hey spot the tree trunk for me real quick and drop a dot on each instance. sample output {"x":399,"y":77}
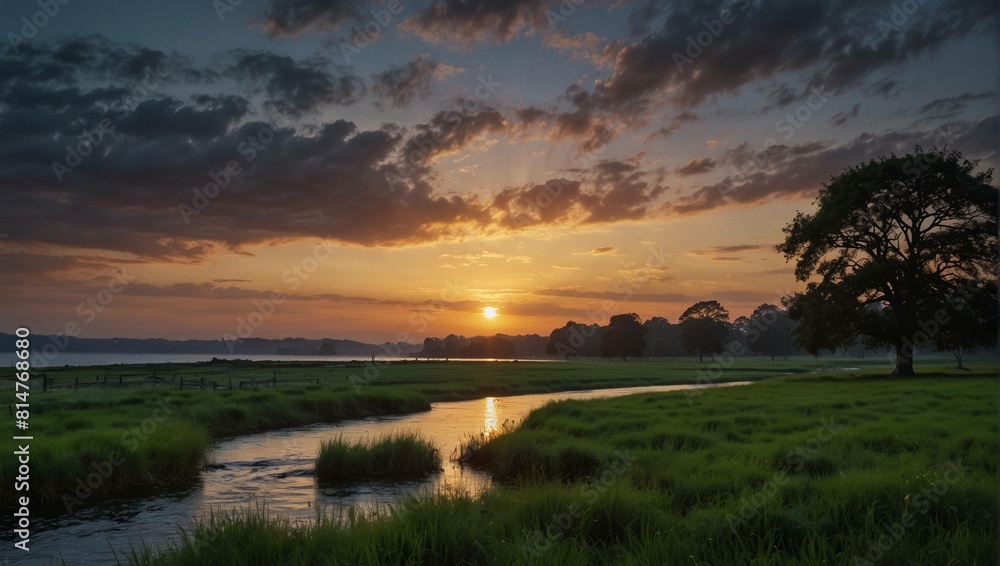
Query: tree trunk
{"x":701,"y":357}
{"x":958,"y":356}
{"x":904,"y":361}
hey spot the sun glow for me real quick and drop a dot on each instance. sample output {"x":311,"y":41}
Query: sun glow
{"x":489,"y":312}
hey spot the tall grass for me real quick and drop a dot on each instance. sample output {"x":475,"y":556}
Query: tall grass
{"x":396,"y":456}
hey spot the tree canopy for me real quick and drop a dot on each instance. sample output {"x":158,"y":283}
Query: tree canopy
{"x":624,"y":336}
{"x":902,"y":251}
{"x":704,"y":328}
{"x":573,"y":340}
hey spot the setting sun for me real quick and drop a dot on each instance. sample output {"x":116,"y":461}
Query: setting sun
{"x":489,"y":312}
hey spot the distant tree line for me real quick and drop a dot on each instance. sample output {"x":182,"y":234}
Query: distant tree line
{"x":702,"y":330}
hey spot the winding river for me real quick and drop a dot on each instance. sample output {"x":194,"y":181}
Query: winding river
{"x":275,"y":469}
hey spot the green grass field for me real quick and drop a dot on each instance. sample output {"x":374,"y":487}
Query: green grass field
{"x":827,"y":468}
{"x":156,"y":435}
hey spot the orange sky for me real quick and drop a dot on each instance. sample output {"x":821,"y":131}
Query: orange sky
{"x":472,"y":154}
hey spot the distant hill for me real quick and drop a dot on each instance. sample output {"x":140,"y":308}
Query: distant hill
{"x":284,"y":346}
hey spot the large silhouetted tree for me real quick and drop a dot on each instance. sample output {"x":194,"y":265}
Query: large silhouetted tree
{"x":704,"y":328}
{"x":662,"y":338}
{"x":896,"y":249}
{"x":574,"y":340}
{"x":624,"y":336}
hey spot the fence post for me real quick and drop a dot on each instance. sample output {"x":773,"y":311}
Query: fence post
{"x":182,"y":383}
{"x":121,"y":379}
{"x":76,"y":383}
{"x":45,"y":382}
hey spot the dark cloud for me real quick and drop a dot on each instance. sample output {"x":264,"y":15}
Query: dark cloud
{"x":886,"y":88}
{"x":798,"y":171}
{"x":38,"y":264}
{"x":584,"y":123}
{"x":696,"y":166}
{"x":401,"y":84}
{"x":951,"y":106}
{"x":293,"y":17}
{"x":603,"y":250}
{"x":611,"y":191}
{"x":175,"y":180}
{"x":781,"y":95}
{"x":675,"y":124}
{"x":980,"y":140}
{"x":451,"y":130}
{"x":828,"y":46}
{"x":469,"y":21}
{"x":206,"y":117}
{"x":297,"y":87}
{"x":842,"y":118}
{"x":622,"y":192}
{"x":558,"y":200}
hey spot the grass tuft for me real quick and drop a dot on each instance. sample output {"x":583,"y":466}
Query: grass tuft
{"x":400,"y":455}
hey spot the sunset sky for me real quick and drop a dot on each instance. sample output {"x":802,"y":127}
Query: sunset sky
{"x":555,"y":160}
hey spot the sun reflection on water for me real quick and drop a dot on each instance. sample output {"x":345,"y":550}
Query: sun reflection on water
{"x":490,"y":416}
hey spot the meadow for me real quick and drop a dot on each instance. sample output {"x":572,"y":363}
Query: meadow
{"x":847,"y":467}
{"x":154,"y":435}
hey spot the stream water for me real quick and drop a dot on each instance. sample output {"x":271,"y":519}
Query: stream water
{"x":275,"y":469}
